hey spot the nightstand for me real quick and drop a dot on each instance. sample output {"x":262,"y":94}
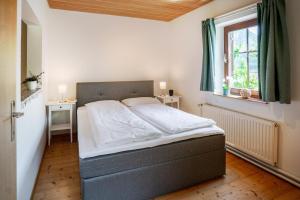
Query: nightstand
{"x":166,"y":99}
{"x":56,"y":106}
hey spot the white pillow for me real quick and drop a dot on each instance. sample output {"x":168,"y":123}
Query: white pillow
{"x":103,"y":102}
{"x":140,"y":100}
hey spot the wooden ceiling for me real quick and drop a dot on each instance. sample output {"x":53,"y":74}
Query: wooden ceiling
{"x":164,"y":10}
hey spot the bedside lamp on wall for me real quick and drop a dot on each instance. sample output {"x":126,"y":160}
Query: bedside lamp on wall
{"x":163,"y":86}
{"x":62,"y":90}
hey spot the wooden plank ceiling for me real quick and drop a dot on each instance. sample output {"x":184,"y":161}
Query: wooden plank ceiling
{"x":164,"y":10}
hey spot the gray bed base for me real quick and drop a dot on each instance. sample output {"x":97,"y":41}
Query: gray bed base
{"x":150,"y":172}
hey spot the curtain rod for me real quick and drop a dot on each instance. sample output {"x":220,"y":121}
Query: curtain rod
{"x":238,"y":10}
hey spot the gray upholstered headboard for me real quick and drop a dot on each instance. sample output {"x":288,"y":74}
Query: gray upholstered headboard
{"x":96,"y":91}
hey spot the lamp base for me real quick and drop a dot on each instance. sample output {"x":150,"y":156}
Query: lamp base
{"x":62,"y":99}
{"x":163,"y":93}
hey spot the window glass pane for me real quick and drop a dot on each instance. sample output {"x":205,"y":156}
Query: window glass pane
{"x":243,"y":58}
{"x":253,"y":71}
{"x":253,"y":62}
{"x":252,"y":38}
{"x":239,"y":38}
{"x":253,"y":81}
{"x":240,"y":71}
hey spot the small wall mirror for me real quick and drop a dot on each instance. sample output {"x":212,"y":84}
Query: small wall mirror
{"x":31,"y":52}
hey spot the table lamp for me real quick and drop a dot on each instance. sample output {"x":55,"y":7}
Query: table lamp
{"x":62,"y":89}
{"x":163,"y":86}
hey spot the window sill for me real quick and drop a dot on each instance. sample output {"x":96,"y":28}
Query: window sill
{"x":26,"y":94}
{"x":240,"y":98}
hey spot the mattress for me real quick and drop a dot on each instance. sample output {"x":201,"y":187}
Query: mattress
{"x":135,"y":159}
{"x":88,"y":148}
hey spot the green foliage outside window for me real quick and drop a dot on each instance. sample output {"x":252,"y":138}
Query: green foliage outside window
{"x":240,"y":78}
{"x":240,"y":73}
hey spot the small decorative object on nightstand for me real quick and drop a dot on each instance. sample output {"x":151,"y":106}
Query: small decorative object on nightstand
{"x":166,"y":99}
{"x":57,"y":106}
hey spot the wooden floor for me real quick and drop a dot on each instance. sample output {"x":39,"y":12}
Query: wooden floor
{"x":59,"y":179}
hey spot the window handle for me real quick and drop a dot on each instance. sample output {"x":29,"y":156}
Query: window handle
{"x":17,"y":114}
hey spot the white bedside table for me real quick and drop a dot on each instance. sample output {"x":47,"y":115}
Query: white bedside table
{"x":56,"y":106}
{"x":166,"y":99}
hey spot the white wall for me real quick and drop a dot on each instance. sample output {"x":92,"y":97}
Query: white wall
{"x":85,"y":47}
{"x":31,"y":140}
{"x":93,"y":47}
{"x":30,"y":129}
{"x":185,"y":73}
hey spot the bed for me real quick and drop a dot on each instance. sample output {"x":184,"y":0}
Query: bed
{"x":148,"y":171}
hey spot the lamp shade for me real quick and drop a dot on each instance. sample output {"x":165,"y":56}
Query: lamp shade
{"x":62,"y":89}
{"x":163,"y":85}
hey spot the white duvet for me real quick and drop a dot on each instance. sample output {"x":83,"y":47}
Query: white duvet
{"x":112,"y":122}
{"x":87,"y":147}
{"x":170,"y":120}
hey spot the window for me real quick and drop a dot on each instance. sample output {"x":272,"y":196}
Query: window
{"x":241,"y":56}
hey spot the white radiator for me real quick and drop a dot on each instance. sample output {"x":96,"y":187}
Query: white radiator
{"x":249,"y":134}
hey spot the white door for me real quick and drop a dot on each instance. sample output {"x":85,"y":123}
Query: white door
{"x":8,"y":27}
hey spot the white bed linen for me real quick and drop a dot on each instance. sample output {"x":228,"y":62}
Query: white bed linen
{"x":170,"y":120}
{"x":112,"y":122}
{"x":140,"y":100}
{"x":87,"y":147}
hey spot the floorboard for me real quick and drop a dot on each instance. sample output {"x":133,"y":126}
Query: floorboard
{"x":59,"y":179}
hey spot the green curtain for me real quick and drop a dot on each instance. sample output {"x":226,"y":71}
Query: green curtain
{"x":273,"y":55}
{"x":208,"y":62}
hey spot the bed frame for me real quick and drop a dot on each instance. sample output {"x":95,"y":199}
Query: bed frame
{"x":150,"y":172}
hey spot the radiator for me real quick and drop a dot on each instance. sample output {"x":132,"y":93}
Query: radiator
{"x":254,"y":136}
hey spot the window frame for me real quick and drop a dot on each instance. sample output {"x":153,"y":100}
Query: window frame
{"x":227,"y":30}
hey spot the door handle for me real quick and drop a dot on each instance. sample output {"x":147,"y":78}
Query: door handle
{"x":13,"y":116}
{"x":17,"y":114}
